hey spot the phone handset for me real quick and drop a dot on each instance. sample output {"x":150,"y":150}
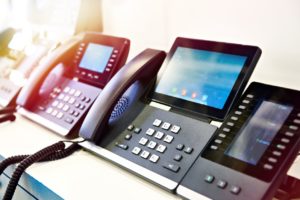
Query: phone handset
{"x":64,"y":51}
{"x":143,"y":67}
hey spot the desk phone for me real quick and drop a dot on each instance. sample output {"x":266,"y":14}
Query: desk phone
{"x":200,"y":80}
{"x":23,"y":53}
{"x":249,"y":155}
{"x":65,"y":85}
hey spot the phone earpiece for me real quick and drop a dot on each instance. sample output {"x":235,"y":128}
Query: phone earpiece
{"x":132,"y":94}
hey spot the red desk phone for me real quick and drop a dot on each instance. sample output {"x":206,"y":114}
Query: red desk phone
{"x":64,"y":86}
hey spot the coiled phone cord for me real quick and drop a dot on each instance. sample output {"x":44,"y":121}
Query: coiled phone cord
{"x":50,"y":153}
{"x":55,"y":156}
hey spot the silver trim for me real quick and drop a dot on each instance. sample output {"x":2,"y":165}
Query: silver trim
{"x":43,"y":121}
{"x":163,"y":181}
{"x":190,"y":194}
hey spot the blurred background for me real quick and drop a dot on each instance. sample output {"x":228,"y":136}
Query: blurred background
{"x":273,"y":25}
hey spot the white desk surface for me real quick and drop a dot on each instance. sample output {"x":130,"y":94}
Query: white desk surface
{"x":81,"y":175}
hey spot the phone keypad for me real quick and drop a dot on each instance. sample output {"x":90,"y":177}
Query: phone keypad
{"x":68,"y":104}
{"x":154,"y":142}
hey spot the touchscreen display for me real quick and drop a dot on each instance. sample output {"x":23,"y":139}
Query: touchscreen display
{"x":96,"y":57}
{"x":257,"y":134}
{"x":200,"y":76}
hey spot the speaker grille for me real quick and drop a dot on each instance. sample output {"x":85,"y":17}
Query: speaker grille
{"x":119,"y":108}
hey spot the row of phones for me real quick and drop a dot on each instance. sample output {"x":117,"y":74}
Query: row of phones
{"x":83,"y":88}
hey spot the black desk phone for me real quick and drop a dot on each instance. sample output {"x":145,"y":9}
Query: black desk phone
{"x":66,"y":83}
{"x":200,"y":80}
{"x":249,"y":155}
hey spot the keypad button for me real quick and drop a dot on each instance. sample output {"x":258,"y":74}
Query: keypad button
{"x":175,"y":129}
{"x":72,"y":91}
{"x":179,"y":147}
{"x":122,"y":146}
{"x":157,"y":122}
{"x":159,"y":135}
{"x":285,"y":140}
{"x":61,"y":96}
{"x":234,"y":118}
{"x":230,"y":123}
{"x":226,"y":130}
{"x":128,"y":137}
{"x":77,"y":93}
{"x":76,"y":114}
{"x":213,"y":147}
{"x":77,"y":105}
{"x":292,"y":127}
{"x":280,"y":146}
{"x":268,"y":167}
{"x":82,"y":107}
{"x":83,"y":98}
{"x":276,"y":153}
{"x":59,"y":115}
{"x":71,"y":112}
{"x":136,"y":150}
{"x":272,"y":160}
{"x":54,"y":113}
{"x":242,"y":107}
{"x":55,"y":103}
{"x":154,"y":158}
{"x":66,"y":98}
{"x":297,"y":121}
{"x":69,"y":120}
{"x":251,"y":96}
{"x":143,"y":141}
{"x":235,"y":189}
{"x":41,"y":108}
{"x":290,"y":134}
{"x":130,"y":127}
{"x":209,"y":178}
{"x":166,"y":126}
{"x":67,"y":89}
{"x":151,"y":144}
{"x":172,"y":167}
{"x":246,"y":101}
{"x":72,"y":100}
{"x":188,"y":150}
{"x":177,"y":157}
{"x":60,"y":105}
{"x":222,"y":135}
{"x":218,"y":141}
{"x":238,"y":112}
{"x":137,"y":130}
{"x":168,"y":139}
{"x":221,"y":184}
{"x":66,"y":108}
{"x":49,"y":110}
{"x":87,"y":100}
{"x":150,"y":131}
{"x":145,"y":154}
{"x":161,"y":148}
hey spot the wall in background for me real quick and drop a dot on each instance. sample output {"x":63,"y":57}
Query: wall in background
{"x":273,"y":25}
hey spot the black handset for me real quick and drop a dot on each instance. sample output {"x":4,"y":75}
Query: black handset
{"x":64,"y":86}
{"x":142,"y":68}
{"x":250,"y":154}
